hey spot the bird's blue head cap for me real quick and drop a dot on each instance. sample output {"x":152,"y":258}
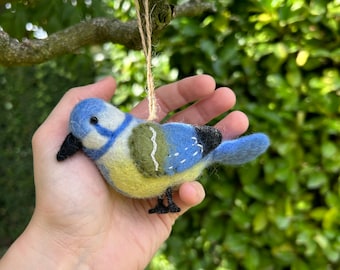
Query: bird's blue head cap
{"x":84,"y":115}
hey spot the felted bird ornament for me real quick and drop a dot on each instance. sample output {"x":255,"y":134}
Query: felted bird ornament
{"x":142,"y":159}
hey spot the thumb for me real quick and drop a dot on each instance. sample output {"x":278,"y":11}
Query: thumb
{"x":55,"y":126}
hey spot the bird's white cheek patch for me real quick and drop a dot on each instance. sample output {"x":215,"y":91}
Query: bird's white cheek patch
{"x":94,"y":141}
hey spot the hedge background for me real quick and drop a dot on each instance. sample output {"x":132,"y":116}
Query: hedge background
{"x":282,"y":58}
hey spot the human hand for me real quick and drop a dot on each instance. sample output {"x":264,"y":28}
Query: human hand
{"x":80,"y":221}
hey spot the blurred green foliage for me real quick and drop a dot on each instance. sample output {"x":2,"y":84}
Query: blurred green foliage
{"x":27,"y":96}
{"x":282,"y":58}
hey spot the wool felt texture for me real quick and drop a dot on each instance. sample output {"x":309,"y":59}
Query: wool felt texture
{"x":143,"y":159}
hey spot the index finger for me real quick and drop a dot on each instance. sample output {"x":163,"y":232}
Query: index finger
{"x":173,"y":96}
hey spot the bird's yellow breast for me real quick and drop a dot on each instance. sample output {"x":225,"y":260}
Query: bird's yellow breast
{"x":123,"y":175}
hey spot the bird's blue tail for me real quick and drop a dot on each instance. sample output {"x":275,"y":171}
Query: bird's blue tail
{"x":241,"y":150}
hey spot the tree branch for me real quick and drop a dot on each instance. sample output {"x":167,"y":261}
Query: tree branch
{"x":193,"y":8}
{"x":95,"y":31}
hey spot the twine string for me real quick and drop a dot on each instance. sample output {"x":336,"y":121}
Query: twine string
{"x":146,"y":38}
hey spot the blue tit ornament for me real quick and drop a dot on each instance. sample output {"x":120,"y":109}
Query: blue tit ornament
{"x":142,"y":159}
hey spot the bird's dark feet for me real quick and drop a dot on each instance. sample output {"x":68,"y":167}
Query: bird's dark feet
{"x":173,"y":208}
{"x":160,"y":208}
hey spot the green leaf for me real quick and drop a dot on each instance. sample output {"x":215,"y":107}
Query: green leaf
{"x":328,"y":149}
{"x":252,"y":259}
{"x":316,"y":180}
{"x":260,"y":221}
{"x":331,"y":218}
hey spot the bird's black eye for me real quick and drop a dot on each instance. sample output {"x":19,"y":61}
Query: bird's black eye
{"x":93,"y":120}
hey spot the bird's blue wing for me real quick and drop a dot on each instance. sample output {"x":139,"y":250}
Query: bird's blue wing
{"x":185,"y":150}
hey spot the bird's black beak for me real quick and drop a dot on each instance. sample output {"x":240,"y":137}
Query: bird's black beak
{"x":69,"y":147}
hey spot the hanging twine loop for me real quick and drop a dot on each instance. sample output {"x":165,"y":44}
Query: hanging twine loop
{"x":146,"y":38}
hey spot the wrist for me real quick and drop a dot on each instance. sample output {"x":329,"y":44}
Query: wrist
{"x":41,"y":247}
{"x":36,"y":248}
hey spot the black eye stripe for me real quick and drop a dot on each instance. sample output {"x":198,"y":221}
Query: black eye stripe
{"x":93,"y":120}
